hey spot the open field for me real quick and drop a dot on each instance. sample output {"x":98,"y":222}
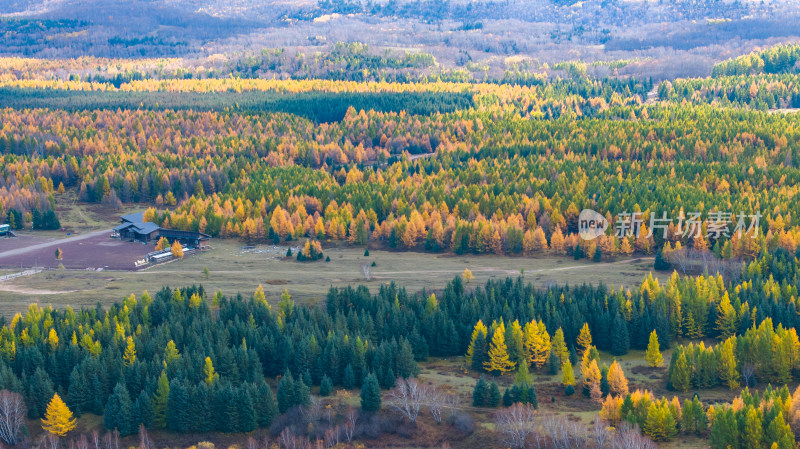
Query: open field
{"x":233,"y":269}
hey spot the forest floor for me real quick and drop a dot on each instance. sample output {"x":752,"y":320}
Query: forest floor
{"x":235,"y":268}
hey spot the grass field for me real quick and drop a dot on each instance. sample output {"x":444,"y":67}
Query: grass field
{"x":233,"y":269}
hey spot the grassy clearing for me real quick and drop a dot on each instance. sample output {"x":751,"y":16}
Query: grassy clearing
{"x":233,"y":270}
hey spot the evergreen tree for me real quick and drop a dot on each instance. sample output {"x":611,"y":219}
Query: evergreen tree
{"x":370,"y":394}
{"x":480,"y":393}
{"x":39,"y":393}
{"x":325,"y":386}
{"x":286,"y":392}
{"x":349,"y":379}
{"x":178,"y":411}
{"x":479,"y":356}
{"x":619,"y":338}
{"x":494,"y":395}
{"x":118,"y":414}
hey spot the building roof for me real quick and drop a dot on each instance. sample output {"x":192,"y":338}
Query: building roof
{"x":136,"y":217}
{"x":122,"y":226}
{"x":145,"y":228}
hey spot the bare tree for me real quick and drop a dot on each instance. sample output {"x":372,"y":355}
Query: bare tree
{"x":562,"y":433}
{"x":252,"y":443}
{"x":629,"y":437}
{"x":82,"y":442}
{"x":12,"y":416}
{"x":286,"y":439}
{"x":144,"y":439}
{"x":50,"y":441}
{"x":407,"y":398}
{"x":350,"y":425}
{"x":452,"y":401}
{"x":332,"y":436}
{"x":436,"y":402}
{"x":313,"y":412}
{"x":599,"y":434}
{"x":95,"y":439}
{"x":515,"y":424}
{"x":367,"y":271}
{"x":748,"y":371}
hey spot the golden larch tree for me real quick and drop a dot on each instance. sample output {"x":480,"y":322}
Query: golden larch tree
{"x":58,"y":419}
{"x":653,"y":354}
{"x":498,"y":352}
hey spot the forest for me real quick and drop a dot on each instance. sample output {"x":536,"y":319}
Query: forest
{"x":437,"y":164}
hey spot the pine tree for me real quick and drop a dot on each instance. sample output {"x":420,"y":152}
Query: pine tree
{"x":498,"y":353}
{"x":118,"y":413}
{"x":584,"y":338}
{"x":494,"y":395}
{"x":619,"y":338}
{"x":479,"y":353}
{"x":480,"y":392}
{"x":653,"y":355}
{"x":264,"y":403}
{"x":286,"y":392}
{"x":58,"y":418}
{"x":160,"y":399}
{"x":370,"y":394}
{"x":325,"y":386}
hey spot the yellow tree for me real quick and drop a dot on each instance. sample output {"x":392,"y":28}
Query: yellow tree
{"x":498,"y":353}
{"x":130,"y":352}
{"x":467,"y":275}
{"x":617,"y":383}
{"x":585,"y":338}
{"x":567,"y":373}
{"x":537,"y":343}
{"x":163,"y":243}
{"x":177,"y":250}
{"x":560,"y":345}
{"x":653,"y":355}
{"x":210,"y":373}
{"x":480,"y":328}
{"x":58,"y":419}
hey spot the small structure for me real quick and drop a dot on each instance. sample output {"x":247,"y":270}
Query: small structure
{"x":133,"y":227}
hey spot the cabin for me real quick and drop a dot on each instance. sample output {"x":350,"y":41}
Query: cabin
{"x":138,"y":231}
{"x":133,"y":227}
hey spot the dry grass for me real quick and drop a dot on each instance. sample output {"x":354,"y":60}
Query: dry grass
{"x":233,"y":269}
